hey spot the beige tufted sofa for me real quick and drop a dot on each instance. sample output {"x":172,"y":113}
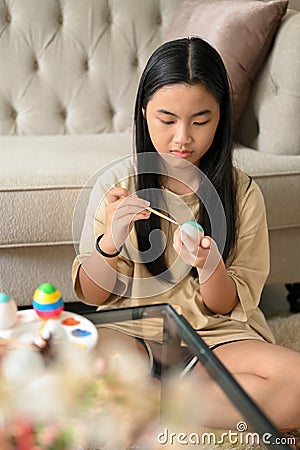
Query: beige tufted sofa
{"x":68,"y":75}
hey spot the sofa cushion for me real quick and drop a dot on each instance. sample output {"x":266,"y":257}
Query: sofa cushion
{"x":23,"y":269}
{"x":42,"y":188}
{"x":41,"y":179}
{"x":242,"y":32}
{"x":279,"y":180}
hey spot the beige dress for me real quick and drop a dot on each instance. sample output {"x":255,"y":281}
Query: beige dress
{"x":248,"y":266}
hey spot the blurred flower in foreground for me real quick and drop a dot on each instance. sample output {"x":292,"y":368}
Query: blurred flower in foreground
{"x":76,"y":401}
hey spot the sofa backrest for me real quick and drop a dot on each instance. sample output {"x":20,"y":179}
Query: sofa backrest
{"x":72,"y":66}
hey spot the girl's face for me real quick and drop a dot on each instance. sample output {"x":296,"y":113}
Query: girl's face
{"x":182,"y":120}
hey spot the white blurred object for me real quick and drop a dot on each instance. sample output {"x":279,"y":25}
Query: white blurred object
{"x":191,"y":234}
{"x":20,"y":366}
{"x":44,"y":396}
{"x":8,"y":311}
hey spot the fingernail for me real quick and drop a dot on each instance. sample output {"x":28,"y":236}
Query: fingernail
{"x":205,"y":242}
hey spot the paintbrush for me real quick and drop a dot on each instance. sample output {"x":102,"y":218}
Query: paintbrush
{"x":162,"y":215}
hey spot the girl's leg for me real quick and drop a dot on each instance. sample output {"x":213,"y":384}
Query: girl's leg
{"x":268,"y":373}
{"x":112,"y":342}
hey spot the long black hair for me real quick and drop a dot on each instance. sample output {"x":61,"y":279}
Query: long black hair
{"x":187,"y":61}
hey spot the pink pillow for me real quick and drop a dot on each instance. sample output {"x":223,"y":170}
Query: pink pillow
{"x":242,"y":32}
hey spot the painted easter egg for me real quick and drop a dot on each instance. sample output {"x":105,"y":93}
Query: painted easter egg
{"x":191,"y":229}
{"x":189,"y":226}
{"x":47,"y":301}
{"x":8,"y":311}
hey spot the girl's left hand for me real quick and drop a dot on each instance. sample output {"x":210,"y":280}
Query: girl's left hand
{"x":196,"y":250}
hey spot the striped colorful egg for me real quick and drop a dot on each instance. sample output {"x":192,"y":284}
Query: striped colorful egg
{"x":47,"y":301}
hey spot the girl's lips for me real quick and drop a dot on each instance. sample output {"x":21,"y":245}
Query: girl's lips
{"x":181,"y":153}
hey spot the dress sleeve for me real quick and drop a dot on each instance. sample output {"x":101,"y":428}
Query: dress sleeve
{"x":94,"y":225}
{"x":248,"y":265}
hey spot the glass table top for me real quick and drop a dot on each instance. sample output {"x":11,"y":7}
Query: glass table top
{"x":194,"y":404}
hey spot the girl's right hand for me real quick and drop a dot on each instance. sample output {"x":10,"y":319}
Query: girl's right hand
{"x":122,"y":211}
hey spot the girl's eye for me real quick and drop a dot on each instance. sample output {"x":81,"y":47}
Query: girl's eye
{"x":198,"y":124}
{"x":167,"y":122}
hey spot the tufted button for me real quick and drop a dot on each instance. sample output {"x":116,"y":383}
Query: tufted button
{"x":14,"y":114}
{"x":111,"y":112}
{"x":8,"y":18}
{"x":60,"y":19}
{"x":109,"y":18}
{"x":135,"y":62}
{"x":63,"y":114}
{"x":86,"y":65}
{"x":35,"y":65}
{"x":159,"y":20}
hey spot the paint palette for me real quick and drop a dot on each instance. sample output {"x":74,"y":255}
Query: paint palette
{"x":77,"y":329}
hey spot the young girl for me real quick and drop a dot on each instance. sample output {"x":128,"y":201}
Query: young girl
{"x":130,"y":256}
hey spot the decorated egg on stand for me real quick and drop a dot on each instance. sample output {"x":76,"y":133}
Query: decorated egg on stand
{"x":8,"y":311}
{"x":47,"y":301}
